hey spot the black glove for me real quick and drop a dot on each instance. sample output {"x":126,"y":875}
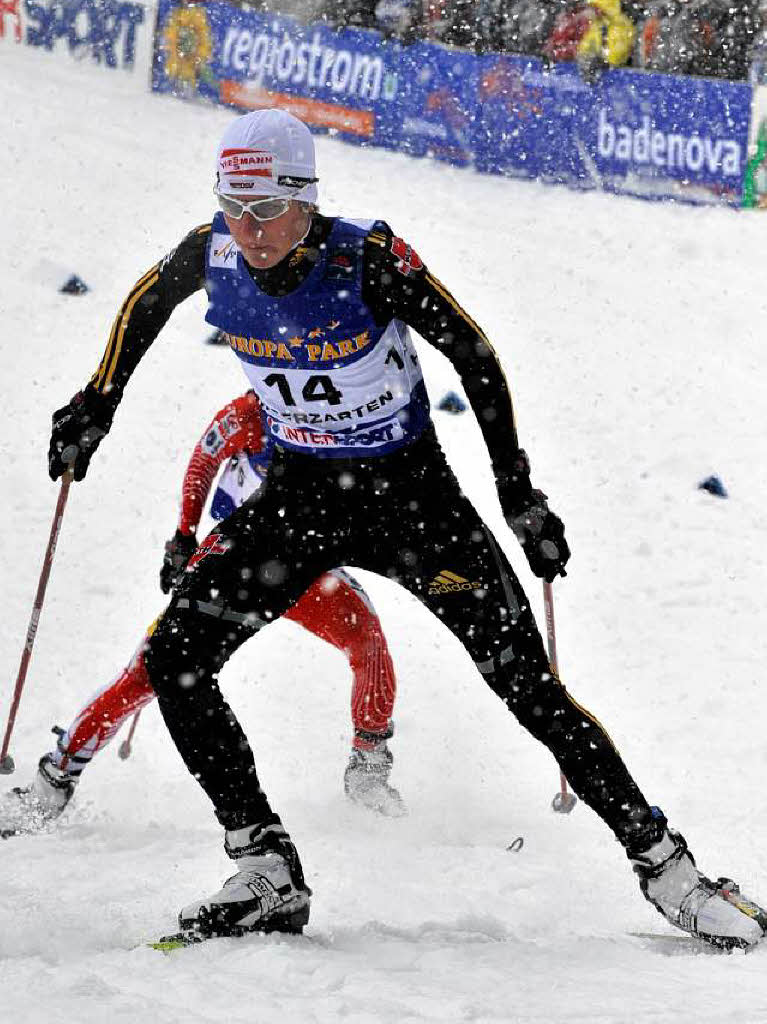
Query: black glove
{"x":178,"y":550}
{"x":540,"y":532}
{"x":542,"y":536}
{"x":77,"y":431}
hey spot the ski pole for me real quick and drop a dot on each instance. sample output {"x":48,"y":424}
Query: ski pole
{"x":124,"y":750}
{"x":7,"y":765}
{"x":564,"y":801}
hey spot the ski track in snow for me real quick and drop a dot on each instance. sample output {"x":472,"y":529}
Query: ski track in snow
{"x":632,"y":338}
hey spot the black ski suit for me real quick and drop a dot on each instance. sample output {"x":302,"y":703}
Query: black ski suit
{"x":400,"y":514}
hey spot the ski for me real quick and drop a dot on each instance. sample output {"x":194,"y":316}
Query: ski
{"x":169,"y":943}
{"x":694,"y":944}
{"x":279,"y":924}
{"x":183,"y":940}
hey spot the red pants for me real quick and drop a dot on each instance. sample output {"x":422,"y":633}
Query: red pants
{"x":335,"y":608}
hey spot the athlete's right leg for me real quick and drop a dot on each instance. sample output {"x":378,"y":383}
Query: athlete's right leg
{"x":244,"y":575}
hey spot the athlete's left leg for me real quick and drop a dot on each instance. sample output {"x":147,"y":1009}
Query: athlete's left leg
{"x":427,"y":536}
{"x":447,"y":557}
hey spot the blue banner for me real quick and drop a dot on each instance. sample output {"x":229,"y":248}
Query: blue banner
{"x":526,"y":117}
{"x":104,"y":30}
{"x":346,"y":80}
{"x":436,"y":103}
{"x":665,"y":136}
{"x":655,"y":136}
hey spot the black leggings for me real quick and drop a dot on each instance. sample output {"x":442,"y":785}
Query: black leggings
{"x":401,"y":515}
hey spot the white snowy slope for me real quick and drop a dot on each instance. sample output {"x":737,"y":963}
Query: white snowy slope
{"x":632,"y":335}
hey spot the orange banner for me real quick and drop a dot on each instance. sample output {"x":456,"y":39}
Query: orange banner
{"x":325,"y":115}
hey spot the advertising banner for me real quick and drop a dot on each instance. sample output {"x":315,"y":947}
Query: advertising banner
{"x":662,"y":136}
{"x":655,"y":136}
{"x":100,"y":30}
{"x":527,"y":112}
{"x":436,"y":103}
{"x":342,"y":80}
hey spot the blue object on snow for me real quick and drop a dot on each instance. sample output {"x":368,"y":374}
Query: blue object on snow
{"x":713,"y":485}
{"x":74,"y":285}
{"x":451,"y":402}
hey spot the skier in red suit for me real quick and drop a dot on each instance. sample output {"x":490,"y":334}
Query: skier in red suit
{"x":334,"y":608}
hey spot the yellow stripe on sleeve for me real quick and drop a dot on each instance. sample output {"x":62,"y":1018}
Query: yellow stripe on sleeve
{"x":440,"y":288}
{"x":124,"y":321}
{"x":103,"y":375}
{"x":98,"y":379}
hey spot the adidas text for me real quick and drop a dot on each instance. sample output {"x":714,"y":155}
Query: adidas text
{"x":448,"y":583}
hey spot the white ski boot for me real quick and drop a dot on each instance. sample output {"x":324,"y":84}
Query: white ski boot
{"x":29,"y":809}
{"x":716,"y":912}
{"x":366,"y":781}
{"x":267,"y":894}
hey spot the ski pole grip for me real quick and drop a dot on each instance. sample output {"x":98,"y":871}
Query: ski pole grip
{"x":69,"y":454}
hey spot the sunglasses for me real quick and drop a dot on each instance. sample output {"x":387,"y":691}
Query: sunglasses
{"x":260,"y":209}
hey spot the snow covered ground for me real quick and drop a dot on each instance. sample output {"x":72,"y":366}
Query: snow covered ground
{"x":632,"y":335}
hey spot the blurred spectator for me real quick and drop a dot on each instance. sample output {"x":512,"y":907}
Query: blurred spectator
{"x":569,"y":29}
{"x":700,"y":37}
{"x":394,"y":19}
{"x":525,"y":25}
{"x":733,"y":25}
{"x":349,"y":13}
{"x":757,"y":55}
{"x":400,"y":19}
{"x":686,"y":37}
{"x":667,"y":39}
{"x":609,"y":39}
{"x":306,"y":11}
{"x":454,"y":22}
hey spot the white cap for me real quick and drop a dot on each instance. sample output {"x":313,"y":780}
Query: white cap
{"x":267,"y":153}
